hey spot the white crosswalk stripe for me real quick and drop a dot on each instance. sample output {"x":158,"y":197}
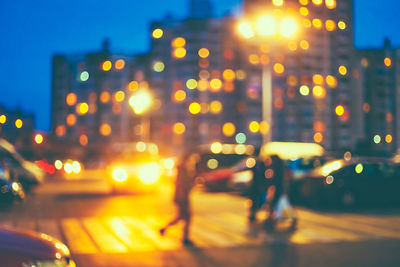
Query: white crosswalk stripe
{"x":123,"y":234}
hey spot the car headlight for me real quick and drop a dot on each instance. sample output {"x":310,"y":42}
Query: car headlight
{"x":50,"y":263}
{"x":149,"y":173}
{"x":120,"y":175}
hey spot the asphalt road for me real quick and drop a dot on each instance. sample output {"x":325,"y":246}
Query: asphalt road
{"x":107,"y":230}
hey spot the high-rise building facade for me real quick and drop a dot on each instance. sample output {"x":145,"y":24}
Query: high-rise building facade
{"x":197,"y":72}
{"x":380,"y":77}
{"x":312,"y":76}
{"x":89,"y":98}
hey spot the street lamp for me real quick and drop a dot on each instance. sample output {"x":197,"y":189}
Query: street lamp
{"x":141,"y":102}
{"x":271,"y":28}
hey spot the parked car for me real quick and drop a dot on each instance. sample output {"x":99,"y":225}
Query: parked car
{"x":28,"y":173}
{"x":352,"y":182}
{"x":32,"y":249}
{"x":215,"y":167}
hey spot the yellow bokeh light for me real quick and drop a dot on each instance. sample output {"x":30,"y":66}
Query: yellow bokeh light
{"x":180,"y":95}
{"x":304,"y":44}
{"x":366,"y":107}
{"x":330,"y":25}
{"x":254,"y":126}
{"x":215,"y":107}
{"x":388,"y":62}
{"x":330,"y":4}
{"x":303,"y":2}
{"x":82,"y":108}
{"x":157,"y":33}
{"x":83,"y":140}
{"x":318,"y":79}
{"x":158,"y":66}
{"x":216,"y":147}
{"x":264,"y":127}
{"x":318,"y":137}
{"x":228,"y":129}
{"x":71,"y":119}
{"x":339,"y":110}
{"x":179,"y":128}
{"x":191,"y":84}
{"x":180,"y":52}
{"x":3,"y":119}
{"x":331,"y":81}
{"x":133,"y":86}
{"x":303,"y":11}
{"x":389,"y":138}
{"x":215,"y":84}
{"x":204,"y":53}
{"x":228,"y":74}
{"x":119,"y":64}
{"x":254,"y":59}
{"x":106,"y":66}
{"x":317,"y":2}
{"x":71,"y":99}
{"x":105,"y":129}
{"x":304,"y":90}
{"x":279,"y":68}
{"x":141,"y":101}
{"x":317,"y":23}
{"x":119,"y":96}
{"x":38,"y":139}
{"x":319,"y":92}
{"x":342,"y":70}
{"x":194,"y":108}
{"x":307,"y":23}
{"x":105,"y":97}
{"x":203,"y":85}
{"x":178,"y":42}
{"x":342,"y":25}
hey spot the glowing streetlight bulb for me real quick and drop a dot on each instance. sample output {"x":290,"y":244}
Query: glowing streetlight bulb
{"x":288,"y":27}
{"x":140,"y":102}
{"x":266,"y":25}
{"x":245,"y":29}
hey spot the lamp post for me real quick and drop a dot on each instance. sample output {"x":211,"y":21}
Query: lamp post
{"x":141,"y":102}
{"x":267,"y":28}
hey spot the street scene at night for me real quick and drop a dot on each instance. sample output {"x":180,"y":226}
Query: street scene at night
{"x":200,"y":133}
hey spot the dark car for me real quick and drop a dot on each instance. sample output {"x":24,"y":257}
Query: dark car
{"x":216,"y":166}
{"x":32,"y":249}
{"x":10,"y":191}
{"x":354,"y":182}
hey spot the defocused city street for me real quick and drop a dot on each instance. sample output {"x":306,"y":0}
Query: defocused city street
{"x":200,"y":133}
{"x":107,"y":230}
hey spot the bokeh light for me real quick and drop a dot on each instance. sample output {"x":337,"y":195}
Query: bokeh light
{"x":194,"y":108}
{"x":240,"y":138}
{"x":84,"y":76}
{"x":107,"y":65}
{"x":105,"y":129}
{"x":19,"y":123}
{"x":228,"y":129}
{"x":179,"y":128}
{"x":157,"y":33}
{"x":71,"y":99}
{"x":204,"y":52}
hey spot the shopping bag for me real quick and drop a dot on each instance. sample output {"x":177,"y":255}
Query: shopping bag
{"x":284,"y":209}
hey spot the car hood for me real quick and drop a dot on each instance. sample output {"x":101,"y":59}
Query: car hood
{"x":29,"y":243}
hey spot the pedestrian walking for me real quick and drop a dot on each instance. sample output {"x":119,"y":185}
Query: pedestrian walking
{"x":183,"y":185}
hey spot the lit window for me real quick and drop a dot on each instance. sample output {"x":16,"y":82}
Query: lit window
{"x":339,"y":110}
{"x":228,"y":129}
{"x":179,"y":128}
{"x":106,"y":66}
{"x":317,"y":23}
{"x":179,"y":96}
{"x":105,"y":129}
{"x":158,"y":66}
{"x":71,"y":99}
{"x":180,"y":52}
{"x":194,"y":108}
{"x":330,"y":4}
{"x":318,"y":137}
{"x":304,"y":90}
{"x":279,"y":68}
{"x":157,"y":33}
{"x":119,"y":64}
{"x":330,"y":25}
{"x":178,"y":42}
{"x":191,"y":84}
{"x":342,"y":70}
{"x":319,"y":92}
{"x":303,"y":11}
{"x":388,"y":62}
{"x":204,"y":53}
{"x":254,"y":126}
{"x":342,"y":25}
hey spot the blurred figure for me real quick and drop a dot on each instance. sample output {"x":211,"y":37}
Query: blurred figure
{"x":258,"y":189}
{"x":183,"y":185}
{"x":275,"y":174}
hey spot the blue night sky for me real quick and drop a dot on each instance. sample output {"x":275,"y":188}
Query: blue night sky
{"x":32,"y":31}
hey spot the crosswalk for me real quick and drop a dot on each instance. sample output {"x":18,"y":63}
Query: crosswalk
{"x":124,"y":234}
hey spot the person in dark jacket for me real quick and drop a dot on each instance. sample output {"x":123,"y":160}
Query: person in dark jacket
{"x":258,"y":189}
{"x":183,"y":185}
